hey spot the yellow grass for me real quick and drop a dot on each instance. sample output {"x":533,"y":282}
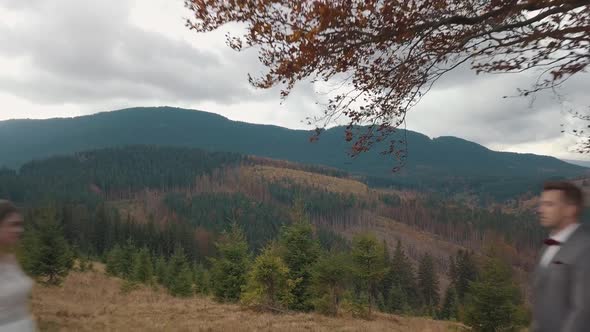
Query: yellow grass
{"x":92,"y":301}
{"x":329,"y":183}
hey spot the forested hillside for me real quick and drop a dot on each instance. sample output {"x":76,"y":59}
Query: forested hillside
{"x":444,"y":164}
{"x":208,"y":190}
{"x":189,"y":220}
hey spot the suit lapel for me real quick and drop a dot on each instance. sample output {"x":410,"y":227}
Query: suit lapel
{"x":564,"y":255}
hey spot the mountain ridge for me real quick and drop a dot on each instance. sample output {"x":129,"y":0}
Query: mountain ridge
{"x":430,"y":162}
{"x":221,"y":117}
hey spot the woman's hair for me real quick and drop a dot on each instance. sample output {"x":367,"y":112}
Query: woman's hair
{"x":6,"y":208}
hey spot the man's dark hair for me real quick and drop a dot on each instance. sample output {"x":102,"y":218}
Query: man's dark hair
{"x":572,"y":193}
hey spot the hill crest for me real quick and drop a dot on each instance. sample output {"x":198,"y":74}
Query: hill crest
{"x":433,"y":163}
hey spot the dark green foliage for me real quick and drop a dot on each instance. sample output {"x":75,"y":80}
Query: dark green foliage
{"x":177,"y":275}
{"x":142,"y":268}
{"x":92,"y":174}
{"x":120,"y":260}
{"x":81,"y":230}
{"x":404,"y":288}
{"x":330,"y":240}
{"x":369,"y":266}
{"x":398,"y":301}
{"x":84,"y":181}
{"x":385,"y":288}
{"x":182,"y":284}
{"x":28,"y":252}
{"x":177,"y":272}
{"x":466,"y":272}
{"x":46,"y":253}
{"x":329,"y":279}
{"x":161,"y":271}
{"x":443,"y":163}
{"x":428,"y":285}
{"x":229,"y":269}
{"x":315,"y":202}
{"x":128,"y":252}
{"x":495,"y":302}
{"x":202,"y":280}
{"x":268,"y":286}
{"x":216,"y":211}
{"x":115,"y":261}
{"x":300,"y":251}
{"x":450,"y":306}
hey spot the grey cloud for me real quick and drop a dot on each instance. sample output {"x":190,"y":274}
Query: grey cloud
{"x":476,"y":110}
{"x":84,"y":51}
{"x":19,"y":4}
{"x":90,"y":55}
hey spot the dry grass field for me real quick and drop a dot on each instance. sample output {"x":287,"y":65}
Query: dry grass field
{"x":333,"y":184}
{"x":91,"y":301}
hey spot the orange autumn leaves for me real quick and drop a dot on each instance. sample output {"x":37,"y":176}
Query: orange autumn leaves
{"x":388,"y":54}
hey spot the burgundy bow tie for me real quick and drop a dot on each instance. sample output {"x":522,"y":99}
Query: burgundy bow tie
{"x":551,"y":242}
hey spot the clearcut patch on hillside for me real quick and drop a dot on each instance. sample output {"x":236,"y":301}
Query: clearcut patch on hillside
{"x":333,"y":184}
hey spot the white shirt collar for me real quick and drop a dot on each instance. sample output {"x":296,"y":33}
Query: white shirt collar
{"x":565,"y":233}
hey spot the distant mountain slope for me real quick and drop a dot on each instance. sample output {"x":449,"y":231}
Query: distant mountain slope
{"x":583,"y":163}
{"x":430,"y":161}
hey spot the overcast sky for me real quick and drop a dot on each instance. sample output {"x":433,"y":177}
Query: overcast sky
{"x":62,"y":58}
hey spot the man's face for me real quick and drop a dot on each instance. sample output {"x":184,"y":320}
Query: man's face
{"x":554,"y":209}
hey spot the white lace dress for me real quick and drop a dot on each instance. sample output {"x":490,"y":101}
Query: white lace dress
{"x":15,"y":288}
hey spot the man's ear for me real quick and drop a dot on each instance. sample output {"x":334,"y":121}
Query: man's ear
{"x":572,"y":210}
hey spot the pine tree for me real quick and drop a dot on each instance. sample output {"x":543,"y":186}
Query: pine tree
{"x":143,"y":270}
{"x":328,"y":279}
{"x":495,"y":302}
{"x":386,"y":285}
{"x":115,"y":261}
{"x":229,"y":270}
{"x":428,"y":284}
{"x":453,"y":273}
{"x":180,"y":276}
{"x":100,"y":225}
{"x":268,"y":286}
{"x":466,"y":272}
{"x":53,"y":257}
{"x":398,"y":300}
{"x":369,"y":266}
{"x":126,"y":263}
{"x":202,"y":280}
{"x":300,"y":251}
{"x":182,"y":284}
{"x":161,"y":271}
{"x":450,"y":306}
{"x":405,"y":291}
{"x":28,"y":253}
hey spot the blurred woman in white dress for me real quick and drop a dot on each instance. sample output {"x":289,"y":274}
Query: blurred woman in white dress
{"x":15,"y":286}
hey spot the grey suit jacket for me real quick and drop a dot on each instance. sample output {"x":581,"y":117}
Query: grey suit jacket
{"x":561,"y":291}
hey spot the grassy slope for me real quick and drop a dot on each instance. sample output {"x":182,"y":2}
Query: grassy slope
{"x":92,"y":301}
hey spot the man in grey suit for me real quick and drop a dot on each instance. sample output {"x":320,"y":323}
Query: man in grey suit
{"x":561,"y":287}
